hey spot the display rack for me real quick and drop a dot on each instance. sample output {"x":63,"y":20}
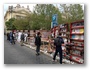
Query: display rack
{"x":63,"y":30}
{"x":54,"y":31}
{"x":75,"y":48}
{"x":77,"y":42}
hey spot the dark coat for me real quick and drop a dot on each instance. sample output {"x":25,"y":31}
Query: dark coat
{"x":62,"y":42}
{"x":38,"y":40}
{"x":22,"y":37}
{"x":8,"y":36}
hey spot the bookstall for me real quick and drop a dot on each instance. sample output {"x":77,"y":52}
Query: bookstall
{"x":62,"y":28}
{"x":63,"y":31}
{"x":75,"y":49}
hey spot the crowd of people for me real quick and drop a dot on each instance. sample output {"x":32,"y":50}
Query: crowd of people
{"x":11,"y":37}
{"x":22,"y":37}
{"x":19,"y":36}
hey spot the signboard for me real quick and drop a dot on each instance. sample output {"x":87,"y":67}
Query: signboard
{"x":54,"y":20}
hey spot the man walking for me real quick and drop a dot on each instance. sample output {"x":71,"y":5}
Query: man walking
{"x":19,"y":36}
{"x":22,"y":38}
{"x":58,"y":43}
{"x":13,"y":38}
{"x":38,"y":43}
{"x":11,"y":35}
{"x":8,"y":36}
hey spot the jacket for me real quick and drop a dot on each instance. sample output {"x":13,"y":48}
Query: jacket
{"x":38,"y":40}
{"x":61,"y":42}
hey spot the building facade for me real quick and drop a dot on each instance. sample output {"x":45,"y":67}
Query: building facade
{"x":16,"y":12}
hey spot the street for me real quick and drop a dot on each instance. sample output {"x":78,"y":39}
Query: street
{"x":16,"y":54}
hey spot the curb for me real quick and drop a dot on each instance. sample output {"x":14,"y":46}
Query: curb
{"x":50,"y":55}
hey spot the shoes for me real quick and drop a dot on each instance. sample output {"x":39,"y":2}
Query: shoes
{"x":11,"y":43}
{"x":37,"y":54}
{"x":54,"y":60}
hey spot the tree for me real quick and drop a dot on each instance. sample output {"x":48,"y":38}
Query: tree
{"x":40,"y":18}
{"x":21,"y":24}
{"x":9,"y":24}
{"x":71,"y":12}
{"x":76,"y":12}
{"x":44,"y":15}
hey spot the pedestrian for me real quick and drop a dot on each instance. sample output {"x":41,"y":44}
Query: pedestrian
{"x":25,"y":38}
{"x":58,"y":42}
{"x":8,"y":36}
{"x":16,"y":34}
{"x":38,"y":43}
{"x":19,"y":36}
{"x":34,"y":35}
{"x":13,"y":38}
{"x":22,"y":38}
{"x":11,"y":35}
{"x":28,"y":37}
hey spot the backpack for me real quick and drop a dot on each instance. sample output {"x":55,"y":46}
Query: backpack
{"x":22,"y":36}
{"x":58,"y":41}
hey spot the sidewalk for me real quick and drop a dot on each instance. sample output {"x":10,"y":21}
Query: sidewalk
{"x":34,"y":48}
{"x":65,"y":61}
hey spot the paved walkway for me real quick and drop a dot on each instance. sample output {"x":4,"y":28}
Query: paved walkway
{"x":16,"y":54}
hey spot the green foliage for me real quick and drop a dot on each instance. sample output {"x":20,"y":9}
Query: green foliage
{"x":41,"y":17}
{"x":72,"y":12}
{"x":21,"y":24}
{"x":44,"y":15}
{"x":9,"y":24}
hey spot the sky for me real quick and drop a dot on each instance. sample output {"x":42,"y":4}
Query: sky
{"x":25,"y":5}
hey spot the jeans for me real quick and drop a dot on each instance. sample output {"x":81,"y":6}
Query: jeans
{"x":38,"y":48}
{"x":60,"y":54}
{"x":10,"y":39}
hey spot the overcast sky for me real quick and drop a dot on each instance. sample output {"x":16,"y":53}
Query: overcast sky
{"x":14,"y":5}
{"x":25,"y":5}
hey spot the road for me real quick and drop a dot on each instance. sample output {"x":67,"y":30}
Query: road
{"x":16,"y":54}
